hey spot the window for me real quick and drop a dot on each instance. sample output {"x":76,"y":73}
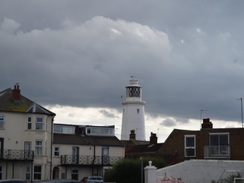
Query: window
{"x":56,"y":151}
{"x":190,"y":146}
{"x":138,"y":111}
{"x":37,"y":172}
{"x":64,"y":129}
{"x":28,"y":173}
{"x":75,"y":155}
{"x":39,"y":123}
{"x":1,"y":121}
{"x":133,"y":92}
{"x":74,"y":174}
{"x":38,"y":147}
{"x":105,"y":155}
{"x":101,"y":131}
{"x":219,"y":144}
{"x":27,"y":150}
{"x":29,"y":123}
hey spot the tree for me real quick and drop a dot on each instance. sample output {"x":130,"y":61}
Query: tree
{"x":129,"y":170}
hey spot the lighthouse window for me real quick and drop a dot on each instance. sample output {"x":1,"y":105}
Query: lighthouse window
{"x":133,"y":92}
{"x":138,"y":110}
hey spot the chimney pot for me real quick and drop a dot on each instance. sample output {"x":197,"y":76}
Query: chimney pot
{"x":207,"y":124}
{"x":16,"y":92}
{"x":153,"y":138}
{"x":132,"y":135}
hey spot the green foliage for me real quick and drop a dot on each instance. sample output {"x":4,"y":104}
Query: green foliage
{"x":129,"y":170}
{"x":230,"y":179}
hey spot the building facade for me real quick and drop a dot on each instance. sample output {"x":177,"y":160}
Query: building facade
{"x":133,"y":111}
{"x":208,"y":143}
{"x":80,"y":151}
{"x":25,"y":137}
{"x":33,"y":148}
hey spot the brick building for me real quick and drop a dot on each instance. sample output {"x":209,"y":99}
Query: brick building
{"x":207,"y":143}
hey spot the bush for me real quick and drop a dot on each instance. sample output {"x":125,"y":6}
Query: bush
{"x":230,"y":179}
{"x":129,"y":170}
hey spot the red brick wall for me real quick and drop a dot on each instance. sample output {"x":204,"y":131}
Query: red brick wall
{"x":173,"y":148}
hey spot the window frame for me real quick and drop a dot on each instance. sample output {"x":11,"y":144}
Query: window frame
{"x":186,"y":147}
{"x":2,"y":121}
{"x":28,"y":172}
{"x":39,"y":148}
{"x":39,"y":125}
{"x":37,"y":174}
{"x":56,"y":151}
{"x":62,"y":129}
{"x":29,"y":123}
{"x":75,"y":174}
{"x":218,"y":146}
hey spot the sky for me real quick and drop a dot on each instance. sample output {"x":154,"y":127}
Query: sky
{"x":76,"y":57}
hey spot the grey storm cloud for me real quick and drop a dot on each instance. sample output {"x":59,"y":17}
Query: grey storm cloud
{"x":108,"y":114}
{"x":168,"y":122}
{"x":186,"y":55}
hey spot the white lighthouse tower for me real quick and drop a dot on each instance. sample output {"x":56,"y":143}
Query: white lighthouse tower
{"x":133,"y":112}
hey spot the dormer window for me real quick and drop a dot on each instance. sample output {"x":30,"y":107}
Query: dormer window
{"x":64,"y":129}
{"x":100,"y":131}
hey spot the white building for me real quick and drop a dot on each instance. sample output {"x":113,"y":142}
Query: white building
{"x":25,"y":137}
{"x":29,"y":149}
{"x":133,"y":112}
{"x":80,"y":151}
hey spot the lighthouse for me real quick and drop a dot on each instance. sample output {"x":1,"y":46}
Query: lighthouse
{"x":133,"y":112}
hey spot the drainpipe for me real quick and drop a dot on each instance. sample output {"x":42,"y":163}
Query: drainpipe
{"x":94,"y":158}
{"x":51,"y":163}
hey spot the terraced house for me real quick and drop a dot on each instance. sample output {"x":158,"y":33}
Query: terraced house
{"x":25,"y":137}
{"x":33,"y":148}
{"x":80,"y":151}
{"x":208,"y":143}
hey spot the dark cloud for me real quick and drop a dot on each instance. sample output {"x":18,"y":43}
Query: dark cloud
{"x":187,"y":55}
{"x":108,"y":114}
{"x":168,"y":122}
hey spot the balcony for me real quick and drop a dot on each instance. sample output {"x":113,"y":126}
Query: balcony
{"x":89,"y":160}
{"x":217,"y":152}
{"x":13,"y":154}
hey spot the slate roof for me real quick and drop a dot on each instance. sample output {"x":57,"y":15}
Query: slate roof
{"x":144,"y":149}
{"x":24,"y":105}
{"x":74,"y":139}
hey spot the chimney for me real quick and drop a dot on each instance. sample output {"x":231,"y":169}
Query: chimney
{"x":153,"y":138}
{"x":132,"y":135}
{"x":16,"y":92}
{"x":207,"y":124}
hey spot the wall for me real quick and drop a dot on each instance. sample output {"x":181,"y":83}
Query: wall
{"x":201,"y":171}
{"x":15,"y":133}
{"x":174,"y":144}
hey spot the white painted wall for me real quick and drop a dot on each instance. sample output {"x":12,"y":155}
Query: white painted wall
{"x":15,"y":133}
{"x":201,"y":171}
{"x":133,"y":113}
{"x":84,"y":150}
